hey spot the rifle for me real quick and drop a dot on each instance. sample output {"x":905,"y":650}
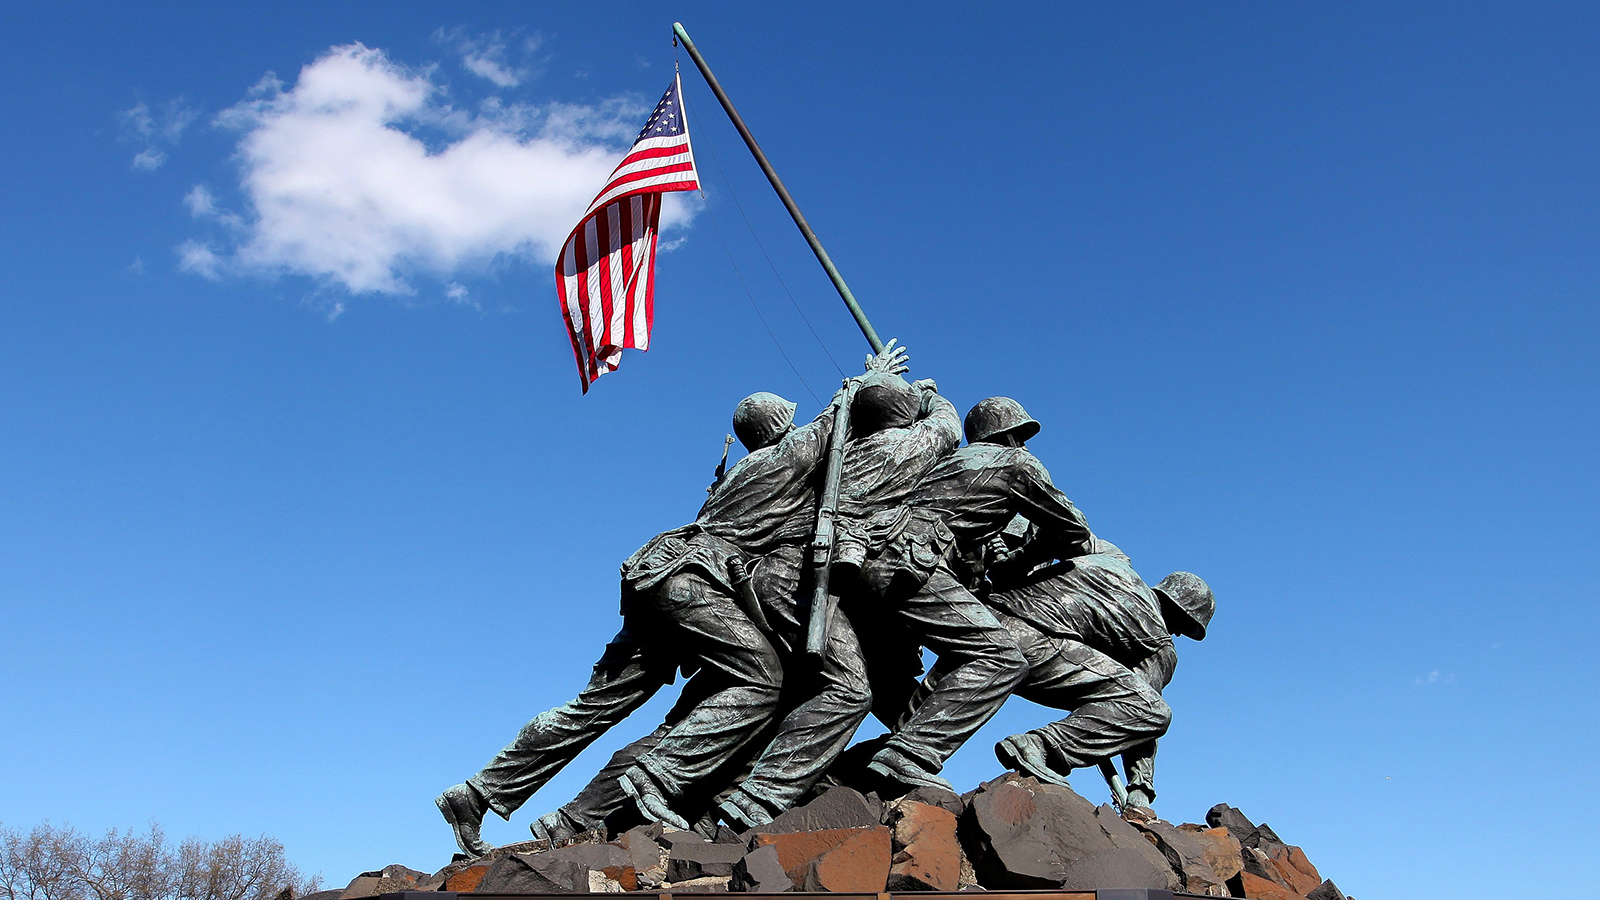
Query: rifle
{"x":1119,"y":792}
{"x":822,"y":540}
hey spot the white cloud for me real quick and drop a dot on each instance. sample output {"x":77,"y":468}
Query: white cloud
{"x":149,"y":158}
{"x":199,"y":259}
{"x":200,"y":201}
{"x":487,"y":56}
{"x":1435,"y":677}
{"x":457,"y":293}
{"x":148,"y":129}
{"x":341,"y":185}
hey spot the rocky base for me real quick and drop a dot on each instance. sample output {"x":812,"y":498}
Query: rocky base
{"x":1010,"y":833}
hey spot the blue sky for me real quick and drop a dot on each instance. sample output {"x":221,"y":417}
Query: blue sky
{"x":302,"y":512}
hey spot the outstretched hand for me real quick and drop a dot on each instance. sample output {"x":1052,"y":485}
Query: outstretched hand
{"x":892,"y":360}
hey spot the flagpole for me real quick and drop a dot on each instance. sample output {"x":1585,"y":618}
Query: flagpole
{"x":783,"y":192}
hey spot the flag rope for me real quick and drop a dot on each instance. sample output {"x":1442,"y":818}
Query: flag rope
{"x":732,"y":195}
{"x":715,"y":226}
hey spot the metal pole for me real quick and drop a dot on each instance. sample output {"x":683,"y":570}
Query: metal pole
{"x":783,"y":192}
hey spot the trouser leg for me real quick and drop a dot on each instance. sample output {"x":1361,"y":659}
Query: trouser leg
{"x":624,"y":678}
{"x":824,"y":700}
{"x":1113,"y":709}
{"x":740,"y":676}
{"x":602,"y":797}
{"x":1139,"y":762}
{"x":979,"y":659}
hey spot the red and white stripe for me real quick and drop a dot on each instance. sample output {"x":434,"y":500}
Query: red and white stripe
{"x":605,"y":275}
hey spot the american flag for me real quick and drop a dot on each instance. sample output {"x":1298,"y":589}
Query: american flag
{"x":606,"y":273}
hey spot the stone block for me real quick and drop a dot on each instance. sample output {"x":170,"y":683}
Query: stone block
{"x":711,"y":884}
{"x":838,"y":807}
{"x":1293,"y":867}
{"x":1221,"y":848}
{"x":1113,"y":868}
{"x":1327,"y":890}
{"x":935,"y":796}
{"x":927,"y":855}
{"x":853,"y":860}
{"x":1125,"y":836}
{"x":1186,"y":855}
{"x":1257,"y":888}
{"x":643,"y":851}
{"x":670,"y":837}
{"x":534,"y":873}
{"x":364,"y":885}
{"x":1256,"y":862}
{"x":1224,"y":816}
{"x":1022,"y":834}
{"x":466,"y":880}
{"x":760,"y":872}
{"x":686,"y":861}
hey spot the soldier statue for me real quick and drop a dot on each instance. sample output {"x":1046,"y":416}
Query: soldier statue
{"x":681,"y":607}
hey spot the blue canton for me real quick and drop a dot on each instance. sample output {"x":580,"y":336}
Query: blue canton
{"x":667,"y":120}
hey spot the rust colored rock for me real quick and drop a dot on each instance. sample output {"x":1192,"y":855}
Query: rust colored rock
{"x":1258,"y":863}
{"x":853,"y":860}
{"x":1257,"y":888}
{"x":859,"y":864}
{"x":927,"y":856}
{"x":1222,"y":850}
{"x":466,"y":881}
{"x":1294,"y":868}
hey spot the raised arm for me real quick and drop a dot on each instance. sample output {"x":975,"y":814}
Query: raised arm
{"x":1062,"y":529}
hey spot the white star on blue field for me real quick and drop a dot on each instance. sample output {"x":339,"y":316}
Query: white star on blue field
{"x":303,"y":514}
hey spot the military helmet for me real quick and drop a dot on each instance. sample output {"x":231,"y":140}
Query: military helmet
{"x":997,"y":416}
{"x":884,"y":401}
{"x":761,"y":419}
{"x":1186,"y":603}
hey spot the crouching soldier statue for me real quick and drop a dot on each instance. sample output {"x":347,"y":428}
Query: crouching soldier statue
{"x":1099,"y":644}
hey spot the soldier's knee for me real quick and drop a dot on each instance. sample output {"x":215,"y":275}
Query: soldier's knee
{"x":1159,"y":716}
{"x":855,"y":693}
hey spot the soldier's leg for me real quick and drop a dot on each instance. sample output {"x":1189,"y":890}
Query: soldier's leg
{"x":812,"y":734}
{"x":981,"y":665}
{"x":602,"y":802}
{"x":1113,"y":709}
{"x":1139,"y":762}
{"x":822,"y":706}
{"x":626,"y":675}
{"x":742,"y":677}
